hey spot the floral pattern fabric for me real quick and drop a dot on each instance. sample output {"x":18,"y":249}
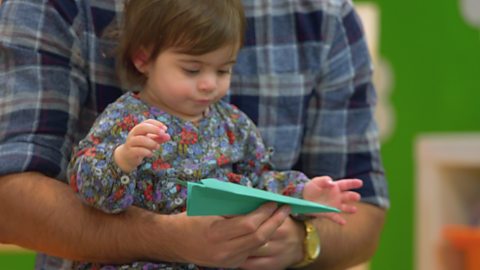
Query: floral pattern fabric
{"x":225,"y":145}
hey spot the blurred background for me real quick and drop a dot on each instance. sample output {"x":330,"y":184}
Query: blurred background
{"x":427,"y":59}
{"x":427,"y":72}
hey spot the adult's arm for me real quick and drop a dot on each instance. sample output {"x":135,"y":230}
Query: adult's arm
{"x":44,"y":214}
{"x":351,"y":244}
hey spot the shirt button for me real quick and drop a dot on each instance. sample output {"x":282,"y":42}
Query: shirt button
{"x":124,"y":179}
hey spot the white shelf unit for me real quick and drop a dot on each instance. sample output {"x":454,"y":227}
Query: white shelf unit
{"x":447,"y":190}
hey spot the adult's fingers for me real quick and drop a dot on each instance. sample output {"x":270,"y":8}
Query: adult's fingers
{"x":248,"y":232}
{"x":262,"y":251}
{"x":214,"y":249}
{"x":283,"y":249}
{"x":239,"y":226}
{"x":266,"y":229}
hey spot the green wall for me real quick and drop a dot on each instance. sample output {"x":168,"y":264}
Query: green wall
{"x":17,"y":260}
{"x":435,"y":60}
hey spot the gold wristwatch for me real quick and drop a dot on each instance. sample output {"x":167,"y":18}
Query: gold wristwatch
{"x":311,"y":245}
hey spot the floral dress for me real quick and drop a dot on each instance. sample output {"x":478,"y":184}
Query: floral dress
{"x":225,"y":145}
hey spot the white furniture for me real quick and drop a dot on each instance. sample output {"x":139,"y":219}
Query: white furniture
{"x":447,"y":190}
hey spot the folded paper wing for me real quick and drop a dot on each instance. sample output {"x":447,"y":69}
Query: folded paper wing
{"x":213,"y":197}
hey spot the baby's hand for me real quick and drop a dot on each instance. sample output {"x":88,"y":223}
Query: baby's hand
{"x":337,"y":194}
{"x":142,"y":140}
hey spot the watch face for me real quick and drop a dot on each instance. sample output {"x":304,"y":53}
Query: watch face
{"x":312,"y":241}
{"x":313,"y":249}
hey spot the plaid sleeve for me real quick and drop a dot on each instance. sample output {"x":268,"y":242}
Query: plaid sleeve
{"x":41,"y":83}
{"x":341,"y":138}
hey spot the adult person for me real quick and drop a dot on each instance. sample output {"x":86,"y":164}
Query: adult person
{"x":303,"y":76}
{"x":179,"y":55}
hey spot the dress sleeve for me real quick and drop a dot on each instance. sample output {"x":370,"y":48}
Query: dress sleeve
{"x":43,"y":83}
{"x":341,"y":138}
{"x":93,"y":174}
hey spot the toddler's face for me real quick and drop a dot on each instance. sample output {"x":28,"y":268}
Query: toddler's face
{"x":186,"y":85}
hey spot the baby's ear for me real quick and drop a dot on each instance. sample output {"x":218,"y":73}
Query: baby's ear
{"x":141,"y":59}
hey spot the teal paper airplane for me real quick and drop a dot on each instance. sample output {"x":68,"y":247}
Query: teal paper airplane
{"x":213,"y":197}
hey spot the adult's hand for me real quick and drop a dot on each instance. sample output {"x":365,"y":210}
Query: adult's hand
{"x":227,"y":242}
{"x":285,"y":248}
{"x":341,"y":246}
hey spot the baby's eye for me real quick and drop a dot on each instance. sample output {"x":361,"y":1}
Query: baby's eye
{"x":224,"y":71}
{"x":191,"y":71}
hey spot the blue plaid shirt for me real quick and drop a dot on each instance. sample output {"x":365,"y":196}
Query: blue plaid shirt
{"x":303,"y":76}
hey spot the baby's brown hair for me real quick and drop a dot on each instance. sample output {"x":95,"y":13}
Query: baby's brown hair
{"x":190,"y":26}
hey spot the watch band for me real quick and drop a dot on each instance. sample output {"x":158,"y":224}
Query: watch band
{"x":311,"y":245}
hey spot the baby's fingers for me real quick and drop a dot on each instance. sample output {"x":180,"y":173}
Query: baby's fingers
{"x":348,"y":208}
{"x":142,"y":142}
{"x":139,"y":153}
{"x":348,"y":184}
{"x":148,"y":126}
{"x":337,"y":218}
{"x":350,"y":196}
{"x":157,"y":123}
{"x":159,"y":138}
